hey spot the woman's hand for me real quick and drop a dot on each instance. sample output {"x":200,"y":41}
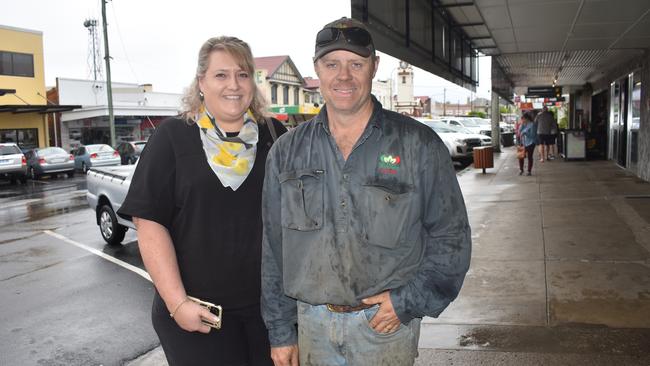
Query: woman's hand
{"x":188,"y":317}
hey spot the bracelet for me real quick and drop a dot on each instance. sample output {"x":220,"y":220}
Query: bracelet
{"x":178,"y":307}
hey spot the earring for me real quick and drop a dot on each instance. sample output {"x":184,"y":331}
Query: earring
{"x":201,"y":95}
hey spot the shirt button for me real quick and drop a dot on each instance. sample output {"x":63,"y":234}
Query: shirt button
{"x":346,"y":176}
{"x":342,"y":203}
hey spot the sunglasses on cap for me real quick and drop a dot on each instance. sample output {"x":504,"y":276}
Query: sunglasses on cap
{"x":353,"y":36}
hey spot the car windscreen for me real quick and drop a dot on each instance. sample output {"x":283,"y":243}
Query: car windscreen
{"x":140,"y":145}
{"x":9,"y":150}
{"x":471,"y":123}
{"x":440,"y":127}
{"x":99,"y":148}
{"x":51,"y":151}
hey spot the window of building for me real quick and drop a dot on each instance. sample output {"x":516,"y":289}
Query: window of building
{"x":285,"y":95}
{"x":16,"y":64}
{"x":274,"y":94}
{"x":25,"y":138}
{"x":403,"y":79}
{"x":296,"y":95}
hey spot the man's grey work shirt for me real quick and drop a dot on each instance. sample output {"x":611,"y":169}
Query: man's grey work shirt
{"x":390,"y":217}
{"x":545,"y":121}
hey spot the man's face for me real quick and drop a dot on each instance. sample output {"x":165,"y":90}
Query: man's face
{"x":346,"y":80}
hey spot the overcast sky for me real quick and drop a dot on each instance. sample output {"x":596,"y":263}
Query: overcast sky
{"x":156,"y":41}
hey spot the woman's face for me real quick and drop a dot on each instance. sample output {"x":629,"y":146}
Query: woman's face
{"x":227,"y":90}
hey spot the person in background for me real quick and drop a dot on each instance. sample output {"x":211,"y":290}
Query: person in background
{"x":365,"y":227}
{"x":527,"y":132}
{"x":195,"y":199}
{"x":544,"y":121}
{"x":552,"y":148}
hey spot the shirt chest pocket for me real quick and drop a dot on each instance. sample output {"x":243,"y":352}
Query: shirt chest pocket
{"x":385,"y":213}
{"x":302,"y":199}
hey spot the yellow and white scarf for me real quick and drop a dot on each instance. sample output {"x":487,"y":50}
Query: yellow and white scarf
{"x":231,"y":158}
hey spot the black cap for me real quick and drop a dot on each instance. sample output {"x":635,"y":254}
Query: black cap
{"x":362,"y":45}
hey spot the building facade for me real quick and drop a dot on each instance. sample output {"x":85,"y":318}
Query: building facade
{"x":137,"y":110}
{"x":23,"y":102}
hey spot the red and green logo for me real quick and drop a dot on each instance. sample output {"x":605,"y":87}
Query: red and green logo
{"x":388,"y":164}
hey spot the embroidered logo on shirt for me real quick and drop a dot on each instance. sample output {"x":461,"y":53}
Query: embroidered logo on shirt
{"x":389,"y":164}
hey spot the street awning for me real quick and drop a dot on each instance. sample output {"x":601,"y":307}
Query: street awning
{"x":43,"y":109}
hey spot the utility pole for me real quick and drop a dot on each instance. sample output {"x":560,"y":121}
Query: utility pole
{"x":109,"y":90}
{"x":444,"y":101}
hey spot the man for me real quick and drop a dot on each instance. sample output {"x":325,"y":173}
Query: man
{"x":365,"y":227}
{"x":545,"y":121}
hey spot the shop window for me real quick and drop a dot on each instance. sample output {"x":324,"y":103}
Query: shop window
{"x":285,"y":95}
{"x":274,"y":94}
{"x":25,"y":138}
{"x":16,"y":64}
{"x":296,"y":95}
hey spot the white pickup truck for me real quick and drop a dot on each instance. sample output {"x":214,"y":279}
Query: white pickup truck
{"x":107,"y":189}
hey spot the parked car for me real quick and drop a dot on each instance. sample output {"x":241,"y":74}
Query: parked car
{"x":107,"y":189}
{"x":13,"y":164}
{"x":471,"y":124}
{"x":130,"y":151}
{"x":459,"y":143}
{"x":49,"y":161}
{"x":95,"y":155}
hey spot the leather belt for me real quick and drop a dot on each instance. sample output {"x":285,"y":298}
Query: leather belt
{"x":347,"y":308}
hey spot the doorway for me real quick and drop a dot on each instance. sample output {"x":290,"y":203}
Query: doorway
{"x":597,"y":128}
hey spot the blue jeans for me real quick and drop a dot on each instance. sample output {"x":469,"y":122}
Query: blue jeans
{"x":326,"y":338}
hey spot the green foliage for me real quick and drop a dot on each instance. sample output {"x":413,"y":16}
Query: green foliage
{"x":564,"y":122}
{"x":504,"y":109}
{"x":478,"y":114}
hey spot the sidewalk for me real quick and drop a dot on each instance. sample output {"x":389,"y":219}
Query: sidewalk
{"x":560,"y":271}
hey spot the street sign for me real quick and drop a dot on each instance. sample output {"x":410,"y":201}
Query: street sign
{"x":544,"y":92}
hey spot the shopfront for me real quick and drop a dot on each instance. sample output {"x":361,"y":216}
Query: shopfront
{"x":624,"y":121}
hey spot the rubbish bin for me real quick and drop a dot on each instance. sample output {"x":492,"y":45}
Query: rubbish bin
{"x":483,"y":157}
{"x":507,"y":139}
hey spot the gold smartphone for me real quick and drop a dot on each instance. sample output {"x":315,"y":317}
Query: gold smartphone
{"x":214,"y":309}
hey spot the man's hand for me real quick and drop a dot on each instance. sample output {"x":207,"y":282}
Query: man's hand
{"x":285,"y":356}
{"x":385,"y":320}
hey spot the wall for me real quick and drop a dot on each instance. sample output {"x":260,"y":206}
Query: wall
{"x":27,"y":88}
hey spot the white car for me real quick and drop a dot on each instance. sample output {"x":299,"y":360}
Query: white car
{"x":460,"y":142}
{"x":472,"y":124}
{"x":13,"y":164}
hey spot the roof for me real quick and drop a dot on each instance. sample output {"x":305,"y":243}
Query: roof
{"x":22,"y":108}
{"x":270,"y":63}
{"x":311,"y":83}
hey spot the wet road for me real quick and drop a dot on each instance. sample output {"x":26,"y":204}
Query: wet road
{"x":61,"y":301}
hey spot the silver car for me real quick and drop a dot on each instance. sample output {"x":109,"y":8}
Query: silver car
{"x":13,"y":165}
{"x":49,"y":161}
{"x":89,"y":156}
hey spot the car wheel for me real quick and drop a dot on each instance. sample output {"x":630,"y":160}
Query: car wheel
{"x":23,"y":179}
{"x":84,"y":168}
{"x":112,"y":232}
{"x":32,"y":174}
{"x":70,"y":174}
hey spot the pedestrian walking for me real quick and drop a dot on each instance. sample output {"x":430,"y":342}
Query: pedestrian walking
{"x":544,"y":120}
{"x":528,"y":137}
{"x":195,"y":199}
{"x":365,"y":227}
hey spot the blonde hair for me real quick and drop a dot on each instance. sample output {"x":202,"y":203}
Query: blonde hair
{"x":192,"y":100}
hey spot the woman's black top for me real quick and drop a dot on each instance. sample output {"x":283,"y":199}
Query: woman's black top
{"x":217,"y":232}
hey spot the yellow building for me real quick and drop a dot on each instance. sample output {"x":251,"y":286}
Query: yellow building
{"x":23,"y":105}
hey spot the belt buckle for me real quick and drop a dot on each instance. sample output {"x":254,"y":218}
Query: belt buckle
{"x":331,"y":308}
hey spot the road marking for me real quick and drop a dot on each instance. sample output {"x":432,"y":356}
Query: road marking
{"x":94,"y":251}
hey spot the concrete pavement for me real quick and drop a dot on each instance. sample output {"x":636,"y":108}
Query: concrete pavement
{"x":560,"y":271}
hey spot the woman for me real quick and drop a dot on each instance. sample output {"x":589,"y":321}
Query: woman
{"x":195,"y":199}
{"x":527,"y":134}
